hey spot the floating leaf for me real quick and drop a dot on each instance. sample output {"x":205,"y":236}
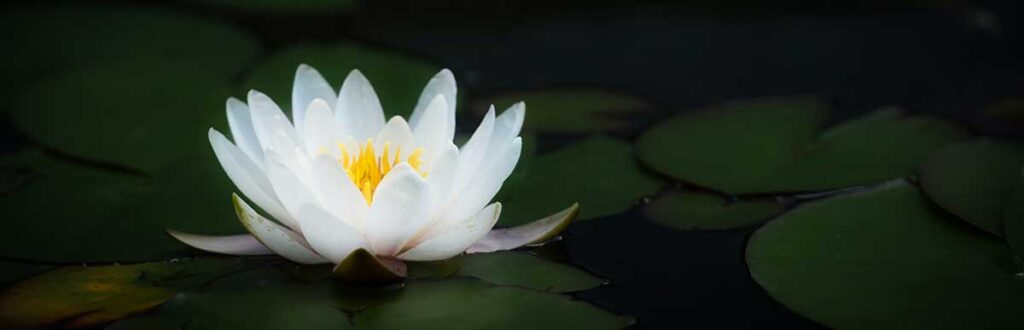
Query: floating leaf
{"x":139,"y":115}
{"x":571,"y":110}
{"x":101,"y":212}
{"x":398,"y":79}
{"x":600,"y":173}
{"x":471,"y":304}
{"x":41,"y":42}
{"x":692,"y":210}
{"x":524,"y":270}
{"x":77,"y":296}
{"x":773,"y":145}
{"x":973,"y":180}
{"x":886,"y":259}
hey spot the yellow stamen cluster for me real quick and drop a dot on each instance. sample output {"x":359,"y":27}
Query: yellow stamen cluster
{"x":367,"y":169}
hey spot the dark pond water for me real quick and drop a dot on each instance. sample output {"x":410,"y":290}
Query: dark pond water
{"x":949,"y":60}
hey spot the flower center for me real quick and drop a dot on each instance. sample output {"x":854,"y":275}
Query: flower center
{"x":366,"y":168}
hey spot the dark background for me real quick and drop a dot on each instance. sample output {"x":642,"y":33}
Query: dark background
{"x":950,"y":58}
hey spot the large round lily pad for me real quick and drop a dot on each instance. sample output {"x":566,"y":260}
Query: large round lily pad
{"x":571,"y":110}
{"x":69,"y":212}
{"x":973,"y":180}
{"x":887,"y":259}
{"x":470,"y":304}
{"x":43,"y":41}
{"x":777,"y":145}
{"x":140,"y":115}
{"x":600,"y":173}
{"x":397,"y":78}
{"x":693,"y":210}
{"x":524,"y":270}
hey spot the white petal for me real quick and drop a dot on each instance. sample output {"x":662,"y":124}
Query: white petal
{"x":443,"y":83}
{"x":508,"y":124}
{"x":532,"y":233}
{"x":239,"y":245}
{"x":431,"y":133}
{"x":472,"y":154}
{"x":485,"y":185}
{"x":309,"y":85}
{"x":399,"y":210}
{"x":290,"y":190}
{"x":442,"y":177}
{"x":242,"y":131}
{"x":322,"y":133}
{"x":329,"y":236}
{"x":268,"y":121}
{"x":398,"y":136}
{"x":456,"y":240}
{"x":282,"y":241}
{"x":358,"y":110}
{"x":248,"y":178}
{"x":337,"y":193}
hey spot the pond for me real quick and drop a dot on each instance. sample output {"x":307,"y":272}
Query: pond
{"x":734,"y":165}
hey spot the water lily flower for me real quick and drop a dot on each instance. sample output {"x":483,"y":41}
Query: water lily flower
{"x":345,"y":187}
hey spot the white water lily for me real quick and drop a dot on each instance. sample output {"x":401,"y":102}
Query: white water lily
{"x":339,"y":179}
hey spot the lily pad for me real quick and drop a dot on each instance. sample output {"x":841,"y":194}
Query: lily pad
{"x":886,"y":259}
{"x":101,"y":212}
{"x":571,"y":110}
{"x":693,"y":210}
{"x":524,"y":270}
{"x":777,"y":145}
{"x":397,"y":78}
{"x":140,"y":115}
{"x":973,"y":180}
{"x":470,"y":304}
{"x":600,"y":173}
{"x":43,"y":41}
{"x":77,"y":296}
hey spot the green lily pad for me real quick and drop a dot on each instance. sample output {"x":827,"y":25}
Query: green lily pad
{"x":886,"y":259}
{"x":77,"y":296}
{"x":74,"y":213}
{"x":41,"y":42}
{"x":470,"y":304}
{"x":774,"y":145}
{"x":571,"y":110}
{"x":599,"y":172}
{"x":973,"y":180}
{"x":1014,"y":219}
{"x":138,"y":115}
{"x":285,"y":6}
{"x":524,"y":270}
{"x":693,"y":210}
{"x":398,"y":79}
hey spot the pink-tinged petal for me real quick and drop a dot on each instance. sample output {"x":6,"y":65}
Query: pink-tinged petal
{"x":536,"y":232}
{"x":239,"y":245}
{"x":277,"y":238}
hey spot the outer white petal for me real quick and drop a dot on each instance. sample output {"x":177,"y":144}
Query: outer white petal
{"x":282,"y":241}
{"x":248,"y":178}
{"x":337,"y":193}
{"x":322,"y":133}
{"x":309,"y":85}
{"x":442,"y":176}
{"x":535,"y":232}
{"x":329,"y":236}
{"x":398,"y":136}
{"x":399,"y":210}
{"x":443,"y":83}
{"x":239,"y":245}
{"x":290,"y":190}
{"x":431,"y":132}
{"x":456,"y":240}
{"x":484,"y":186}
{"x":472,"y":154}
{"x":268,"y":121}
{"x":508,"y":124}
{"x":358,"y":110}
{"x":242,"y":131}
